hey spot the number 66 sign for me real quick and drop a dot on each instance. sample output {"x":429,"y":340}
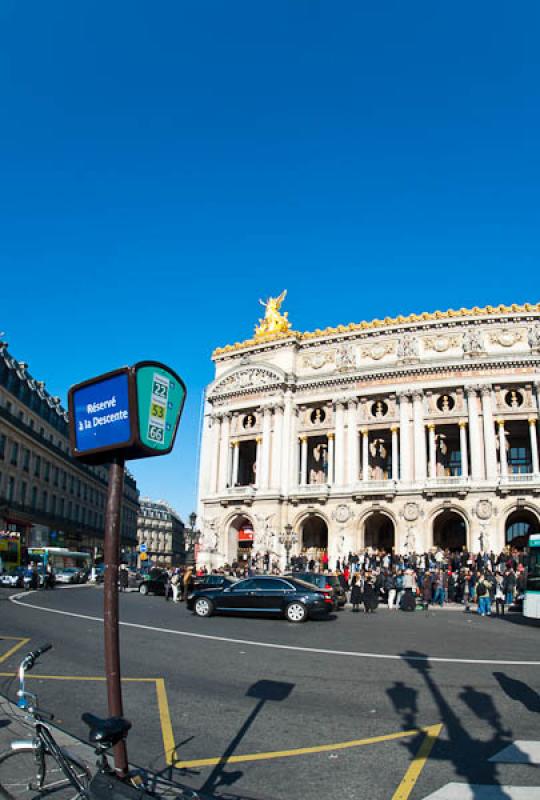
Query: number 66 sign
{"x":133,"y":411}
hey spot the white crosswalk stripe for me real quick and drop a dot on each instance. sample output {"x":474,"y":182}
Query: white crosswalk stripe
{"x":519,"y":752}
{"x":467,"y":791}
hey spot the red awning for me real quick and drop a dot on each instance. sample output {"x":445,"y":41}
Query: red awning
{"x":245,"y":535}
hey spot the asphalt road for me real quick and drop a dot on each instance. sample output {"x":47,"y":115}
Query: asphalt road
{"x":277,"y":688}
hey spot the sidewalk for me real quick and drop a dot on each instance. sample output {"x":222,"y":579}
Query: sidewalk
{"x":13,"y":726}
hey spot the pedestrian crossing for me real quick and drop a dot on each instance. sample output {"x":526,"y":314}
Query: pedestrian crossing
{"x":519,"y":752}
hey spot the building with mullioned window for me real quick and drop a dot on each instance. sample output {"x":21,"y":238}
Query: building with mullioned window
{"x":409,"y":433}
{"x":162,"y":532}
{"x":46,"y":496}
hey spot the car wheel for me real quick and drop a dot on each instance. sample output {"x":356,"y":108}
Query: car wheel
{"x":203,"y":607}
{"x":143,"y":588}
{"x":296,"y":612}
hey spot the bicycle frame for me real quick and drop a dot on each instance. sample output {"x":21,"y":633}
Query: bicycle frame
{"x":43,"y":741}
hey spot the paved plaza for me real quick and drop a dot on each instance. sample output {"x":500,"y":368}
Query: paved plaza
{"x":390,"y":705}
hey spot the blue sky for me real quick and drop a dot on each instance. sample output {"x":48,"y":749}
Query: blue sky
{"x":164,"y":165}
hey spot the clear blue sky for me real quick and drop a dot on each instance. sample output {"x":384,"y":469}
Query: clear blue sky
{"x":164,"y":165}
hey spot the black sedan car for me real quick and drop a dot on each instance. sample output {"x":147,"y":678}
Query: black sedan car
{"x":327,"y":582}
{"x":202,"y":582}
{"x":285,"y":597}
{"x":154,"y":582}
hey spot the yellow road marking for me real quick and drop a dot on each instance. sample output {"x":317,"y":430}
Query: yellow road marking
{"x":301,"y":751}
{"x":167,"y":733}
{"x":20,"y":643}
{"x":166,"y":725}
{"x":413,"y":773}
{"x":78,"y":678}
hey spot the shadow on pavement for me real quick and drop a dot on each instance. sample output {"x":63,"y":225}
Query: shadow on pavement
{"x":519,"y":691}
{"x":469,"y":756}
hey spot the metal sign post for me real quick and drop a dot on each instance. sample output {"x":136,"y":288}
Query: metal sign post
{"x":130,"y":413}
{"x":113,"y":515}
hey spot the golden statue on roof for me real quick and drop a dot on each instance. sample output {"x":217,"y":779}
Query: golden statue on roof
{"x":274,"y":322}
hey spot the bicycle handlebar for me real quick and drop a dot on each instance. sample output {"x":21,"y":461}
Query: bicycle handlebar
{"x":31,"y":658}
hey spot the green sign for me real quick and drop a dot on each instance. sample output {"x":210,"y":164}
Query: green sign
{"x":132,"y":412}
{"x":160,"y":398}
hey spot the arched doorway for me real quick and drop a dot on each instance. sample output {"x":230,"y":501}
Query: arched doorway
{"x":379,"y":531}
{"x":519,"y":526}
{"x":449,"y":531}
{"x":314,"y":537}
{"x":240,"y":539}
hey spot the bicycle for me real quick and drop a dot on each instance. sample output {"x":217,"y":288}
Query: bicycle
{"x":36,"y":767}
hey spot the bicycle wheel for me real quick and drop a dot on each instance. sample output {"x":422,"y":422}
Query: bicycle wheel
{"x":19,"y":777}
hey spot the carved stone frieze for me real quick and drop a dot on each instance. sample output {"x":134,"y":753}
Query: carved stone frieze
{"x":246,"y":379}
{"x":473,"y":342}
{"x":411,"y":512}
{"x":342,"y":513}
{"x":318,"y":358}
{"x":378,"y":350}
{"x":506,"y":337}
{"x":441,"y":343}
{"x":408,"y":349}
{"x":345,"y":357}
{"x":484,"y":509}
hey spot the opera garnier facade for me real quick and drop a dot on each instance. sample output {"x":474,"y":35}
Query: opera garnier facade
{"x":409,"y":433}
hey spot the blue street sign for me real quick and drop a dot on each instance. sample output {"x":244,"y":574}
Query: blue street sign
{"x":101,"y":414}
{"x":143,"y":548}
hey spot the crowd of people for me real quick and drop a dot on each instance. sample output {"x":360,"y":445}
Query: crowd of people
{"x":492,"y":581}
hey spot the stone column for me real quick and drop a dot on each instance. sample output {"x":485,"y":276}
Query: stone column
{"x":502,"y":449}
{"x":294,"y":453}
{"x":223,"y":451}
{"x":489,"y":434}
{"x":534,"y":445}
{"x":303,"y":460}
{"x":288,"y":445}
{"x":340,"y":444}
{"x":258,"y":462}
{"x":419,"y":437}
{"x":395,"y":453}
{"x":365,"y":454}
{"x":352,"y":475}
{"x":235,"y":461}
{"x":277,"y":446}
{"x":475,"y":435}
{"x":463,"y":448}
{"x":265,"y":447}
{"x":214,"y":453}
{"x":432,"y":451}
{"x":331,"y":458}
{"x":404,"y":437}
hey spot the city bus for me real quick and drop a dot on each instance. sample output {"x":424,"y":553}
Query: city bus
{"x":60,"y":557}
{"x":10,"y":550}
{"x":531,"y":602}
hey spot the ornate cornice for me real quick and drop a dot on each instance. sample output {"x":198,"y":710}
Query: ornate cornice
{"x":388,"y":322}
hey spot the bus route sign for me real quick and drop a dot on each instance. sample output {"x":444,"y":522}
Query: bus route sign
{"x":132,"y":412}
{"x":160,"y":397}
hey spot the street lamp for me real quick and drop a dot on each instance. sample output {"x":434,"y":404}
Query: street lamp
{"x":288,"y":539}
{"x":192,"y":534}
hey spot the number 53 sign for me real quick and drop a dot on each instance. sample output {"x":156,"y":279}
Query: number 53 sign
{"x":133,"y":412}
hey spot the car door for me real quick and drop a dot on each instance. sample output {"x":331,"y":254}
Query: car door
{"x":270,"y":594}
{"x":236,"y":598}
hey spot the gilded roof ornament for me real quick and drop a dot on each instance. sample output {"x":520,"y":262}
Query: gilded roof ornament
{"x":274,"y":322}
{"x":276,"y":325}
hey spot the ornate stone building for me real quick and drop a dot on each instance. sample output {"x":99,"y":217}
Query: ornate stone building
{"x":46,"y":496}
{"x":162,"y":531}
{"x":409,"y":433}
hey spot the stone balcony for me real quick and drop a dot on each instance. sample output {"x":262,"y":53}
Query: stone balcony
{"x":321,"y":492}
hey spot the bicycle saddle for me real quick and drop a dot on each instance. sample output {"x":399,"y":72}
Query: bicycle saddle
{"x":110,"y":730}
